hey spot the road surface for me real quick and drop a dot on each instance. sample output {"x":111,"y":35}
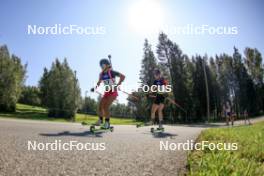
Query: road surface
{"x":128,"y":150}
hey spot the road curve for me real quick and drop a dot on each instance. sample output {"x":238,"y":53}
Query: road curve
{"x":128,"y":150}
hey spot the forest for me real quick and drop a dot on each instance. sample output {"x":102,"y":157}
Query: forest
{"x":201,"y":84}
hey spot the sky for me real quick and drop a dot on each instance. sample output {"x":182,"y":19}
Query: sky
{"x":126,"y":24}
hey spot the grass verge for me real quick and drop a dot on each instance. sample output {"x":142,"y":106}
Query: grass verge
{"x":38,"y":113}
{"x":247,"y":160}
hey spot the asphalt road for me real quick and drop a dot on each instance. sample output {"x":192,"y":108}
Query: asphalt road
{"x":128,"y":150}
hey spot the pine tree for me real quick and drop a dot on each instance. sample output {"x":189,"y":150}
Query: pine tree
{"x":60,"y":90}
{"x":253,"y":62}
{"x":12,"y":78}
{"x":148,"y":65}
{"x":170,"y":55}
{"x":30,"y":95}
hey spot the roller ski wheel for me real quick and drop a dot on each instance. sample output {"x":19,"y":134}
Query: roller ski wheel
{"x":93,"y":129}
{"x":152,"y":130}
{"x":160,"y":129}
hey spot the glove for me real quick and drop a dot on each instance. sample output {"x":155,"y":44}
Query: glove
{"x":92,"y":89}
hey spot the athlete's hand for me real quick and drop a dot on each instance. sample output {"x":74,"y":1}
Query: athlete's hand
{"x":117,"y":88}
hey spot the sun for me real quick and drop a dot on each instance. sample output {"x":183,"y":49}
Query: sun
{"x":146,"y":16}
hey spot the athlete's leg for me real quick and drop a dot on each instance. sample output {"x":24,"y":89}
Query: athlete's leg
{"x":108,"y":101}
{"x":227,"y":119}
{"x":160,"y":110}
{"x":232,"y":119}
{"x":154,"y":109}
{"x":249,"y":121}
{"x":100,"y":111}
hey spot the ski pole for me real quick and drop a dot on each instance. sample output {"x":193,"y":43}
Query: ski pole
{"x":174,"y":102}
{"x":130,"y":94}
{"x":109,"y":57}
{"x":96,"y":91}
{"x":99,"y":93}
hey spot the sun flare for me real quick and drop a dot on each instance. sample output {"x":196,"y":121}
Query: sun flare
{"x":146,"y":16}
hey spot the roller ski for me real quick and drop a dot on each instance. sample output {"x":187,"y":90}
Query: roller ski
{"x":103,"y":128}
{"x":158,"y":130}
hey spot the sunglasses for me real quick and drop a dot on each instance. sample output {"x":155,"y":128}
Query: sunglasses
{"x":103,"y":65}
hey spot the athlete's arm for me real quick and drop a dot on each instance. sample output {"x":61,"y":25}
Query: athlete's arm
{"x":99,"y":80}
{"x":120,"y":75}
{"x":122,"y":78}
{"x":97,"y":84}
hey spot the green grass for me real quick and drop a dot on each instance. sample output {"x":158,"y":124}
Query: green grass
{"x":38,"y":113}
{"x":247,"y":160}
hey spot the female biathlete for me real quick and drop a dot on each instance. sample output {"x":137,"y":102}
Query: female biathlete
{"x":108,"y":77}
{"x":158,"y":104}
{"x":227,"y":108}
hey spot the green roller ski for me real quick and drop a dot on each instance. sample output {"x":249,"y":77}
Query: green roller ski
{"x":154,"y":130}
{"x":93,"y":129}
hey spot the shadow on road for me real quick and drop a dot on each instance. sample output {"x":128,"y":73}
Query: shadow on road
{"x":164,"y":135}
{"x":205,"y":125}
{"x":78,"y":134}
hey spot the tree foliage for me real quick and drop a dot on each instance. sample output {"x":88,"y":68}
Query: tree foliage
{"x":12,"y":77}
{"x":30,"y":95}
{"x":60,"y":91}
{"x":231,"y":78}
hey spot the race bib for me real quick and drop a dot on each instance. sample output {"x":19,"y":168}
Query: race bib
{"x":109,"y":82}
